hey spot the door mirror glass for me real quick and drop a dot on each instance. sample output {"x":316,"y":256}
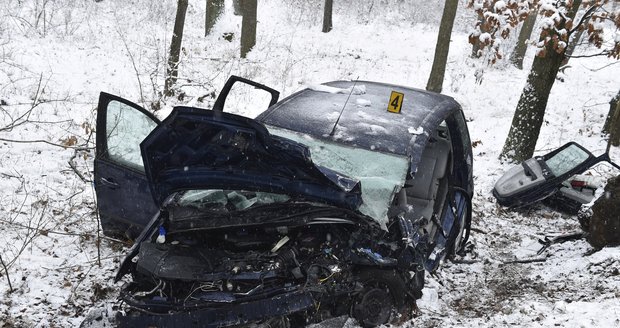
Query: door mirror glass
{"x":126,"y":127}
{"x":246,"y":100}
{"x":567,"y":159}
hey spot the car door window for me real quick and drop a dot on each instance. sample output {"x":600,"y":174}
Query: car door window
{"x":125,"y":130}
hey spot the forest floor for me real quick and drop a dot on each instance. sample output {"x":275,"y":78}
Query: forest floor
{"x":51,"y":75}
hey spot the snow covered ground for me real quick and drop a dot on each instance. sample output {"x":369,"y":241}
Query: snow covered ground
{"x":56,"y":56}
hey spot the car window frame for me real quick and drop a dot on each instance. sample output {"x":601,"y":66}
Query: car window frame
{"x":102,"y":151}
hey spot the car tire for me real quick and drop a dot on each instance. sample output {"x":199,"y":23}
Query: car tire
{"x":382,"y":297}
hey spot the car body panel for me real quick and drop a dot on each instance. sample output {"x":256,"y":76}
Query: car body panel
{"x":123,"y":194}
{"x":533,"y":181}
{"x":549,"y":178}
{"x":370,"y":127}
{"x":197,"y":149}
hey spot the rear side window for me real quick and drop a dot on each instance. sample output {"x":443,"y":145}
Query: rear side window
{"x":125,"y":130}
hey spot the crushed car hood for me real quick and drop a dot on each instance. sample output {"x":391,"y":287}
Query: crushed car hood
{"x":201,"y":149}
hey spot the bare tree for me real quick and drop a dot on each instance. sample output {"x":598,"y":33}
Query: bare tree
{"x":614,"y":127}
{"x":613,"y":104}
{"x":524,"y":35}
{"x":435,"y":81}
{"x":327,"y":16}
{"x":248,"y":26}
{"x":530,"y":112}
{"x":175,"y":47}
{"x":558,"y":27}
{"x":213,"y":12}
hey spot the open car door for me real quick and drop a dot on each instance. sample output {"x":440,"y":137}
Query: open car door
{"x":124,"y":199}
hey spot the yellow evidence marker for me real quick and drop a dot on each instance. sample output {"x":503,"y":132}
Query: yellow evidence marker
{"x":396,"y":102}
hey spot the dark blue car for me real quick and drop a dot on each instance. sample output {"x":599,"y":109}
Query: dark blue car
{"x":333,"y":201}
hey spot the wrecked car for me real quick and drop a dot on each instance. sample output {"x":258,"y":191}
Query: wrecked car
{"x":554,"y":178}
{"x":334,"y":201}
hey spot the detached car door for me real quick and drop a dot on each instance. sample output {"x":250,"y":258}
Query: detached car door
{"x":124,"y":199}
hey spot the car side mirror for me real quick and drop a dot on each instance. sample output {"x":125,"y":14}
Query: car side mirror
{"x":612,"y":155}
{"x":571,"y":157}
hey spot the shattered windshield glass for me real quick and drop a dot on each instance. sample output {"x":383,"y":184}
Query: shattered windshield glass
{"x":380,"y":174}
{"x":224,"y":201}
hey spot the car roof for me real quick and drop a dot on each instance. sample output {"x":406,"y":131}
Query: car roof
{"x":365,"y":121}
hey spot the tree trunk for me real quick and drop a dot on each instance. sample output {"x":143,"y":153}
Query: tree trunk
{"x":327,"y":16}
{"x":237,"y":7}
{"x":435,"y":80}
{"x":214,"y":10}
{"x":530,"y":112}
{"x":248,"y":26}
{"x":175,"y":48}
{"x":526,"y":32}
{"x":612,"y":109}
{"x":614,"y":128}
{"x":604,"y":226}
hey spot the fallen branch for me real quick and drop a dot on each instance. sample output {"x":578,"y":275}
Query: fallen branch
{"x":559,"y":239}
{"x":530,"y":260}
{"x":464,"y":261}
{"x":45,"y":232}
{"x":49,"y":143}
{"x":75,"y":169}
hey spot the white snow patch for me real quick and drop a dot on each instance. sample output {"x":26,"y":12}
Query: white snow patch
{"x":416,"y":131}
{"x":355,"y":90}
{"x":363,"y":102}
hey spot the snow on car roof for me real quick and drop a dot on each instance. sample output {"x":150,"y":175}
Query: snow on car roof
{"x":365,"y":122}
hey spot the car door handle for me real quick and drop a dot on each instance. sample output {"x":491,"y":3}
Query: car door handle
{"x":109,"y":182}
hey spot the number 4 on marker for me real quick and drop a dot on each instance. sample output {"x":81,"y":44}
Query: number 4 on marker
{"x":396,"y":102}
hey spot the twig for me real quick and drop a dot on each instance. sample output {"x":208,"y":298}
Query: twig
{"x":585,"y":17}
{"x":548,"y":241}
{"x":47,"y":142}
{"x":133,"y":63}
{"x":88,"y":262}
{"x":600,"y":68}
{"x":602,"y":53}
{"x":465,"y":261}
{"x":6,"y":271}
{"x":92,"y":188}
{"x":74,"y":168}
{"x":530,"y":260}
{"x":25,"y":116}
{"x":45,"y":232}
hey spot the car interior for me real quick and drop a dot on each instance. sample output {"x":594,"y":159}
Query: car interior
{"x":427,"y":190}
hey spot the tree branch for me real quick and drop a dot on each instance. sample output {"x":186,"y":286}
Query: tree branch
{"x":585,"y":16}
{"x":603,"y":53}
{"x":6,"y":271}
{"x":47,"y":142}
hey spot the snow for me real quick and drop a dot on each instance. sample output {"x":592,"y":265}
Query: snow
{"x":355,"y":90}
{"x":363,"y":102}
{"x":485,"y":37}
{"x":499,"y":6}
{"x":416,"y":131}
{"x":54,"y":270}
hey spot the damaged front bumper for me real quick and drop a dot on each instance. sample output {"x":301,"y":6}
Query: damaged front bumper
{"x":221,"y":316}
